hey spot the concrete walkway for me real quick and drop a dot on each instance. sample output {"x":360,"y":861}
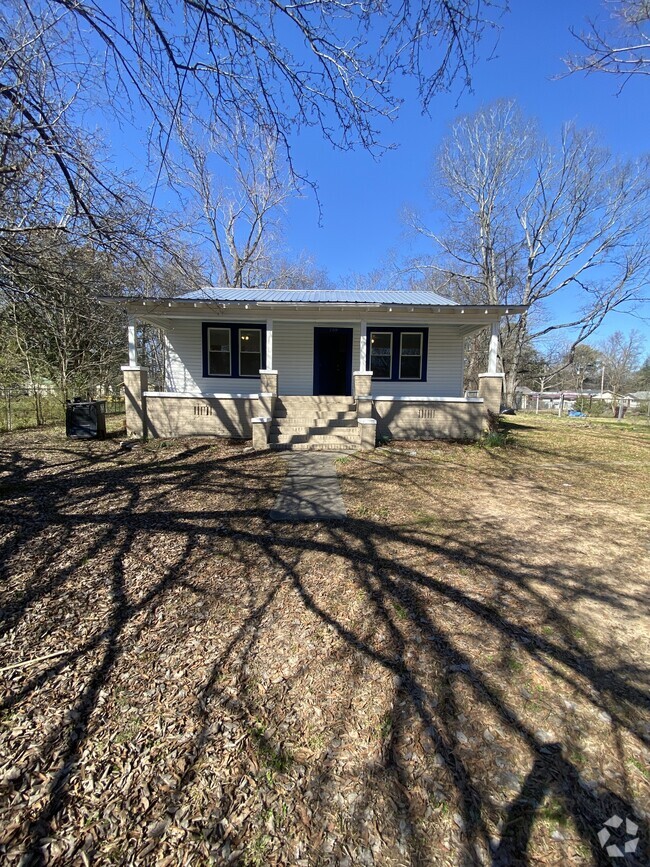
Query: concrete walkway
{"x":311,"y":490}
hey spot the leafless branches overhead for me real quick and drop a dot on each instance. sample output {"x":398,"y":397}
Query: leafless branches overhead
{"x":528,"y":221}
{"x":620,"y":45}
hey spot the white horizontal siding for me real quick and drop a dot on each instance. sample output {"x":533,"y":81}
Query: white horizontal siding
{"x":444,"y":368}
{"x":185,"y":362}
{"x":293,"y":353}
{"x":293,"y":358}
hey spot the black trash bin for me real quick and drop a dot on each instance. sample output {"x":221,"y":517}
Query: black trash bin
{"x":86,"y":419}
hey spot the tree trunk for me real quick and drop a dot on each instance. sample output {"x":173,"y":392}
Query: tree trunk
{"x":512,"y":375}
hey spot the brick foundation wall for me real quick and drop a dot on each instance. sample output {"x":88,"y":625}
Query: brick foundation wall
{"x":438,"y":419}
{"x":171,"y":416}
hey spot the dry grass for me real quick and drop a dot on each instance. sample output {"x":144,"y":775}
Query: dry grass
{"x":457,"y":674}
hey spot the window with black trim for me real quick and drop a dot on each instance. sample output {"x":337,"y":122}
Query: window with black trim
{"x":397,"y":353}
{"x":233,"y":350}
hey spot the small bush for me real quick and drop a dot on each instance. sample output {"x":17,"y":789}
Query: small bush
{"x":495,"y":439}
{"x":494,"y":421}
{"x":596,"y":408}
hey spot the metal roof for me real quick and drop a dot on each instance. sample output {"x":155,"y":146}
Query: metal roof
{"x":320,"y":296}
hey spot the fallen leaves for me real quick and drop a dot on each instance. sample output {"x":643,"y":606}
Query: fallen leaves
{"x":215,"y":688}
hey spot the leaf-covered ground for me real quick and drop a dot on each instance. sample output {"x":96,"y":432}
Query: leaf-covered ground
{"x":457,"y":674}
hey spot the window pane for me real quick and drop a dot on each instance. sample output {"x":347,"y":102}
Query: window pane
{"x":410,"y":363}
{"x":411,"y":343}
{"x":249,"y":364}
{"x":410,"y":368}
{"x":219,"y":351}
{"x":219,"y":339}
{"x":250,"y":339}
{"x":381,"y":354}
{"x":250,"y":351}
{"x":219,"y":364}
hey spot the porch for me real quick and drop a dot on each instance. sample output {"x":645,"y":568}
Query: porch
{"x":311,"y":375}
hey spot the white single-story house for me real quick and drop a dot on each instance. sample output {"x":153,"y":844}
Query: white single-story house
{"x":310,"y":368}
{"x":639,"y":398}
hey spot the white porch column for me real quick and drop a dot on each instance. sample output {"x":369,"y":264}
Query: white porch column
{"x":133,"y":352}
{"x":269,"y":344}
{"x":493,"y":354}
{"x":363,"y":346}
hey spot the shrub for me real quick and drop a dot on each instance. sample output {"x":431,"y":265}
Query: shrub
{"x":593,"y":407}
{"x":495,"y":439}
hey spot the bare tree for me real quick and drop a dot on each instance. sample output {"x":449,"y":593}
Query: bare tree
{"x":622,"y":354}
{"x":529,"y":222}
{"x":584,"y":363}
{"x":621,"y":46}
{"x":327,"y":63}
{"x":61,"y":330}
{"x":240,"y":191}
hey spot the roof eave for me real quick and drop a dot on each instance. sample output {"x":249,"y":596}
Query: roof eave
{"x":135,"y":303}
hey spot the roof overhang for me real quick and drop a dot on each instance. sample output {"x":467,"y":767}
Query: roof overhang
{"x":148,"y":306}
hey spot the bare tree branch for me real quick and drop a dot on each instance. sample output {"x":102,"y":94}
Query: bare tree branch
{"x":621,"y":47}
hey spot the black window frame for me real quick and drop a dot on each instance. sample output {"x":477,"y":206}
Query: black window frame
{"x":235,"y":349}
{"x":397,"y":332}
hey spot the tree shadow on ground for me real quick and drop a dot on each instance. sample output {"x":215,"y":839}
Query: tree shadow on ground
{"x":101,"y":548}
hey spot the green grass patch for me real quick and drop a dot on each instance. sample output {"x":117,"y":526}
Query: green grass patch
{"x":276,"y":759}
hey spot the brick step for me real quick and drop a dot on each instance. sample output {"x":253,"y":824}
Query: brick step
{"x":319,"y":425}
{"x":290,"y":439}
{"x":316,"y":447}
{"x":301,"y":402}
{"x":311,"y":417}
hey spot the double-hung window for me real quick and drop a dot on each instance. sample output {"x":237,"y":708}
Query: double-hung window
{"x":410,"y":355}
{"x":233,"y":350}
{"x":250,"y":351}
{"x":219,"y":352}
{"x":381,"y":354}
{"x":397,"y":353}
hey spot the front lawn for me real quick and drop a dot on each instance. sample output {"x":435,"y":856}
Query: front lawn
{"x":457,"y":674}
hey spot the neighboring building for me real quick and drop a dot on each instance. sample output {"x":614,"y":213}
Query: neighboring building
{"x":522,"y":397}
{"x":293,"y":368}
{"x":554,"y":399}
{"x":639,"y":398}
{"x":610,"y":397}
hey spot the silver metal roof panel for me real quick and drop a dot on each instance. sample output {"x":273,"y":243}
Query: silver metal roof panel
{"x":320,"y":296}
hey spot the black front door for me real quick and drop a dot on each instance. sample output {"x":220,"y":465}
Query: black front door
{"x":332,"y":361}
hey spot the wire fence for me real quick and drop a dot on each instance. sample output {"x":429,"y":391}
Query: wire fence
{"x":21,"y":409}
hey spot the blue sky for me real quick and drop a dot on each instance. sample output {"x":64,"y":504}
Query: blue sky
{"x":362,"y":198}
